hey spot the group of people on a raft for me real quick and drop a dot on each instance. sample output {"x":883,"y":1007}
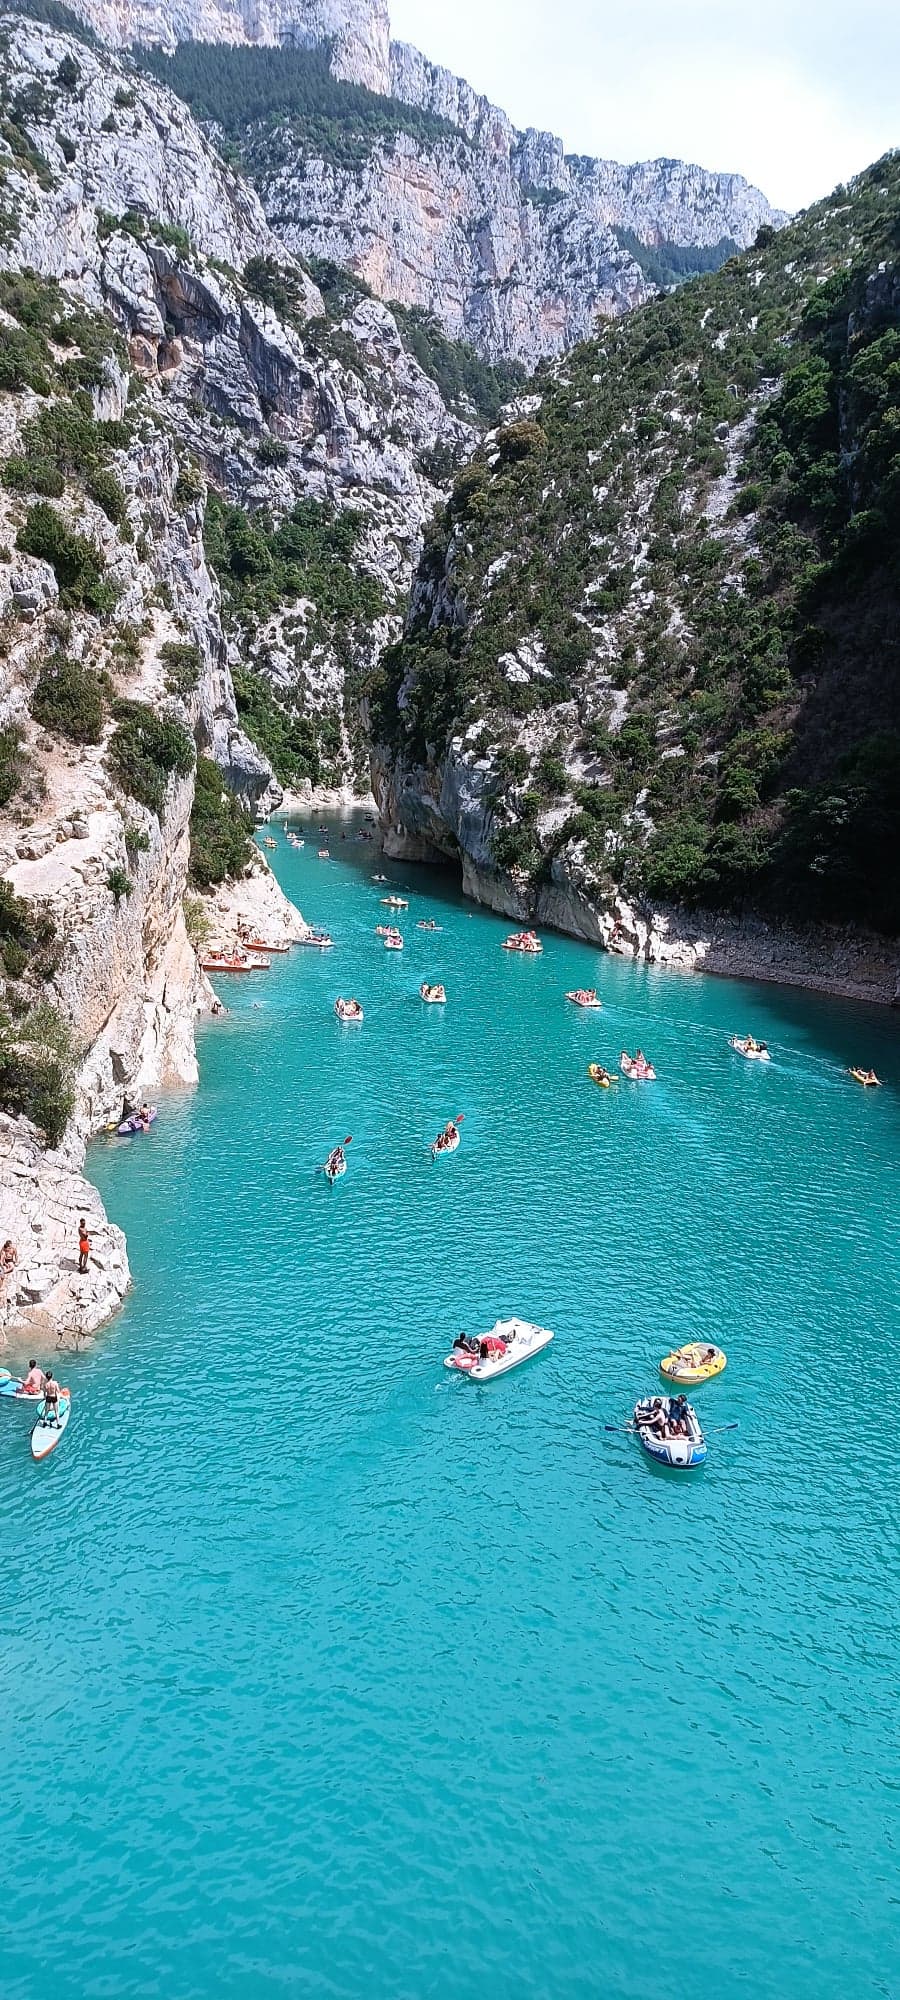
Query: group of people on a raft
{"x":667,"y":1422}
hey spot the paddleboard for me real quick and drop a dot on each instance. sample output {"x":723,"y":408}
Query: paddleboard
{"x":9,"y":1390}
{"x":45,"y":1437}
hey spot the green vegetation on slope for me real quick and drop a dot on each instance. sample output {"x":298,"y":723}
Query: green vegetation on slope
{"x":667,"y":264}
{"x":220,"y":829}
{"x":466,"y":381}
{"x":247,"y":92}
{"x":704,"y":518}
{"x":308,"y":555}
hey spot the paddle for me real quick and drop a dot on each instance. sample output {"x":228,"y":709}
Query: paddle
{"x":627,"y":1430}
{"x":344,"y":1142}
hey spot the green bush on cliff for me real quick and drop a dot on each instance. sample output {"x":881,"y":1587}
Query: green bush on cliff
{"x":220,"y":829}
{"x":69,"y":700}
{"x":37,"y":1069}
{"x":11,"y":762}
{"x":146,"y":750}
{"x":77,"y":563}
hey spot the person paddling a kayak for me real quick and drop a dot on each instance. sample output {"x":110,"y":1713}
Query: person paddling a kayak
{"x":335,"y":1161}
{"x":51,"y":1398}
{"x":445,"y":1138}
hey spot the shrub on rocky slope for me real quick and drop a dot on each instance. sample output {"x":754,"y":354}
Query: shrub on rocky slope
{"x":680,"y":579}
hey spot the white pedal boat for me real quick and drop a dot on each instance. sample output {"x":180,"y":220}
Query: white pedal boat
{"x":509,"y":1342}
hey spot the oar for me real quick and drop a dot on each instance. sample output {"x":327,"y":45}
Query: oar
{"x":627,"y":1430}
{"x":344,"y":1142}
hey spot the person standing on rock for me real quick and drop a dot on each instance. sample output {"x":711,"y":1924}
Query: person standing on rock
{"x":84,"y":1245}
{"x":9,"y":1258}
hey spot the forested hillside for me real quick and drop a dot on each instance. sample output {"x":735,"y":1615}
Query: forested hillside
{"x":658,"y":618}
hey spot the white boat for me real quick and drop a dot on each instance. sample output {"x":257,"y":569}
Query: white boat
{"x":451,"y":1146}
{"x":45,"y":1437}
{"x":741,"y":1046}
{"x":348,"y":1010}
{"x":392,"y":943}
{"x":508,"y":1343}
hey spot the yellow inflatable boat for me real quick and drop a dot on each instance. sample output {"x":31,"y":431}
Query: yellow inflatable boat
{"x":599,"y":1075}
{"x":697,"y":1362}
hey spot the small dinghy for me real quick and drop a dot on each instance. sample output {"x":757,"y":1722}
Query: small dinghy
{"x":268,"y":841}
{"x":448,"y":1140}
{"x":317,"y":940}
{"x":584,"y":996}
{"x":324,"y":854}
{"x":348,"y":1010}
{"x":696,"y":1362}
{"x":393,"y":941}
{"x":379,"y":878}
{"x":637,"y":1068}
{"x":744,"y":1045}
{"x":600,"y":1076}
{"x":434,"y":996}
{"x":336,"y":1163}
{"x":506,"y":1346}
{"x":45,"y":1437}
{"x":866,"y":1077}
{"x":395,"y":902}
{"x":257,"y":944}
{"x":655,"y":1417}
{"x":430,"y":925}
{"x":234,"y":961}
{"x":136,"y":1123}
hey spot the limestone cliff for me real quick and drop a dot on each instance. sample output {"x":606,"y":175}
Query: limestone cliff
{"x":510,"y":242}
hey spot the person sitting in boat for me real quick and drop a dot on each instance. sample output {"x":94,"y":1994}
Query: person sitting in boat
{"x":446,"y":1137}
{"x":144,"y":1116}
{"x":465,"y":1345}
{"x":491,"y":1346}
{"x":51,"y":1398}
{"x":335,"y":1161}
{"x":869,"y":1076}
{"x":33,"y":1384}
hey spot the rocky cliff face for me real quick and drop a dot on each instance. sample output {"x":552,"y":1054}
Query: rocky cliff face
{"x":134,"y":210}
{"x":508,"y":241}
{"x":650,"y":665}
{"x":357,"y":30}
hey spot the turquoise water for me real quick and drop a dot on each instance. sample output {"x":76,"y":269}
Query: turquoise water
{"x":325,"y":1673}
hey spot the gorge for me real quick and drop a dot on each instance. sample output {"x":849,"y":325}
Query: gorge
{"x":616,"y":640}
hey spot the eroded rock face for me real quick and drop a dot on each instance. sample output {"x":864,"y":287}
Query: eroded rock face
{"x":359,"y":30}
{"x":510,"y":242}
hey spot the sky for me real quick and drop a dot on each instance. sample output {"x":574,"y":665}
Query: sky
{"x":795,"y":94}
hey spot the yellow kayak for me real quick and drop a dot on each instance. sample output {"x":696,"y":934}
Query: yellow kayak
{"x":599,"y":1075}
{"x":697,"y":1362}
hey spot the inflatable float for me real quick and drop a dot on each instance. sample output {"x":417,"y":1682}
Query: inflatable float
{"x":696,"y":1362}
{"x":136,"y":1123}
{"x":682,"y":1452}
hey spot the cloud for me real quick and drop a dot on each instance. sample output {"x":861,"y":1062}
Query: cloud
{"x":795,"y":95}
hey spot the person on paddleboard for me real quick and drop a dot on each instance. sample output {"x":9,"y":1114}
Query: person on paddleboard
{"x":35,"y":1381}
{"x":51,"y":1398}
